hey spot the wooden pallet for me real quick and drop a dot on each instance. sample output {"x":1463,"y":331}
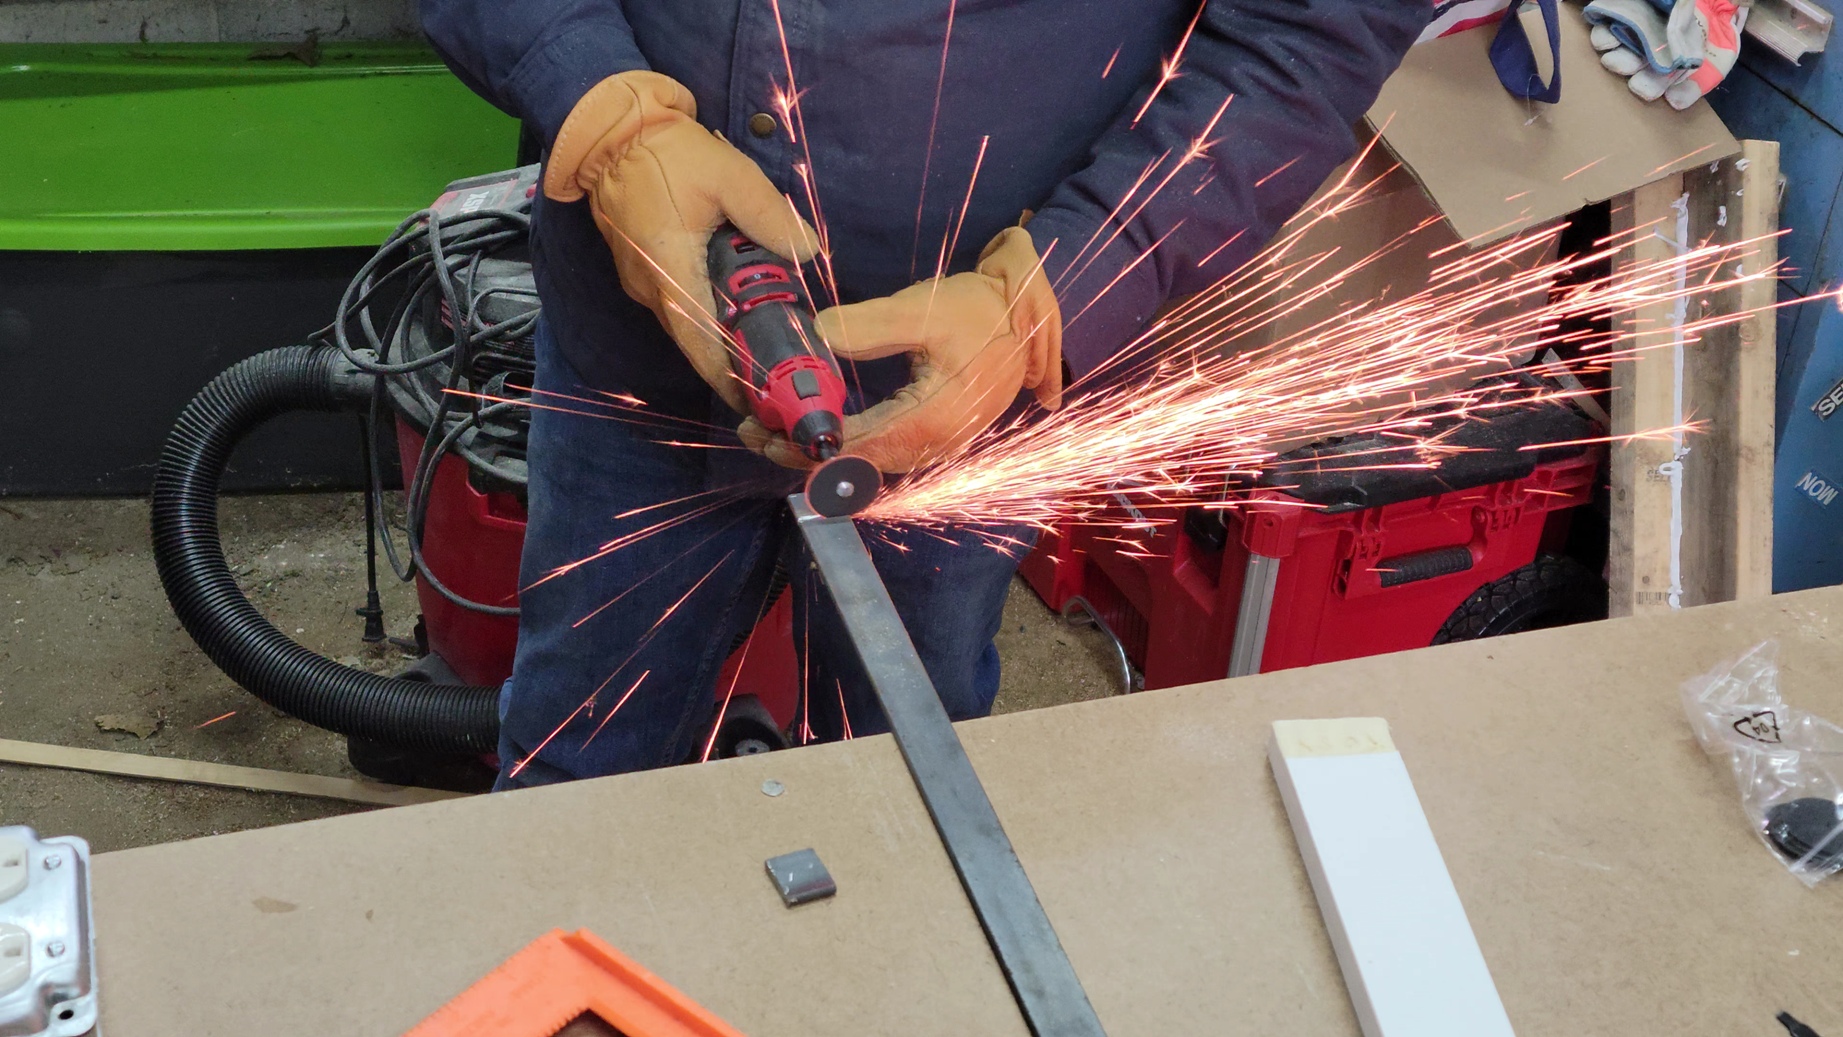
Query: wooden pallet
{"x":1692,"y":520}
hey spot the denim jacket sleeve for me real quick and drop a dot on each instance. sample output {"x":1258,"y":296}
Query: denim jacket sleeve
{"x":1296,"y":76}
{"x":533,"y":59}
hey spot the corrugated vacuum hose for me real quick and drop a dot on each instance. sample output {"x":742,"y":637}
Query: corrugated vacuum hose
{"x":189,"y":552}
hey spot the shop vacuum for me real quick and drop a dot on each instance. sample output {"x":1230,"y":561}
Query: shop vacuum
{"x":432,"y":348}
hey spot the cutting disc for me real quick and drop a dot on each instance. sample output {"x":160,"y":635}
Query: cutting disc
{"x":845,"y":485}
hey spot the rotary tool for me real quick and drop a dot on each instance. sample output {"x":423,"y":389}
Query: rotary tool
{"x":793,"y":380}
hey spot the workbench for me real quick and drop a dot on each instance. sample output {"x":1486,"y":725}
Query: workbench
{"x":1604,"y":860}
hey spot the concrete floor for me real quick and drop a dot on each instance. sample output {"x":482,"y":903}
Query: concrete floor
{"x":91,"y":656}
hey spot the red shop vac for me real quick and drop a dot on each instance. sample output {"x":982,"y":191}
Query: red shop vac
{"x":432,"y":348}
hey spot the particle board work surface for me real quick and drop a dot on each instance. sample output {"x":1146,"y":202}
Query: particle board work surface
{"x":1603,"y":860}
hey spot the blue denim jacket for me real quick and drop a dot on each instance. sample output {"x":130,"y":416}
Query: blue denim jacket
{"x":1059,"y":89}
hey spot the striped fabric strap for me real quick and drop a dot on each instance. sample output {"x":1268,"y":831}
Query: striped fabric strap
{"x":1514,"y":57}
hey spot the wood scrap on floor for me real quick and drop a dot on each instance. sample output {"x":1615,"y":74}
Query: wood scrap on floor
{"x":255,"y":779}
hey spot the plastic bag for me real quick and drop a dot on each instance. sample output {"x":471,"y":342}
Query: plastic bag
{"x":1788,"y":763}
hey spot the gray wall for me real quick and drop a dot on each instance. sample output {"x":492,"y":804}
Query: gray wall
{"x":194,"y":21}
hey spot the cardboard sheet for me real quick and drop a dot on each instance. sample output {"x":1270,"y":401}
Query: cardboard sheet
{"x":1394,"y":217}
{"x":1498,"y":164}
{"x":1603,"y":860}
{"x":1465,"y":162}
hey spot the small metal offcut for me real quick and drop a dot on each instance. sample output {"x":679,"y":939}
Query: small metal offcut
{"x":800,"y":877}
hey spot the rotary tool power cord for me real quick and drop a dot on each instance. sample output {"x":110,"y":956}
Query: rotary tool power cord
{"x":452,"y":255}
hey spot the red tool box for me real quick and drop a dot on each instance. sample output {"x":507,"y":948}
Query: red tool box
{"x":1334,"y":556}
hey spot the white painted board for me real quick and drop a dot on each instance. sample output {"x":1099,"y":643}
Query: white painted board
{"x":1404,"y":944}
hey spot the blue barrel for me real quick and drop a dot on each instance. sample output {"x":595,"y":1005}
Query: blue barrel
{"x":1808,"y":476}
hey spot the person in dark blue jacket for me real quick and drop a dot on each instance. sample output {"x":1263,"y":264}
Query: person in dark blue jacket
{"x":663,"y":118}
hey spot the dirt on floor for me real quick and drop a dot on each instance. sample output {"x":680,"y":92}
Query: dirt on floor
{"x":92,"y":656}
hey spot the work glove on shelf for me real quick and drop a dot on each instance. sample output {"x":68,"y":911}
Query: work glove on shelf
{"x":658,"y":183}
{"x":1677,"y":50}
{"x":975,"y":340}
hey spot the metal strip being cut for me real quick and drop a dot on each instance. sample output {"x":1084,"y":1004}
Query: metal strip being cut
{"x":1034,"y":962}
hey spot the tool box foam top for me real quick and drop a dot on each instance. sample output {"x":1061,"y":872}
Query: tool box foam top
{"x":1363,"y":558}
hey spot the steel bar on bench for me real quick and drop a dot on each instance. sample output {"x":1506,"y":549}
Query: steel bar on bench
{"x":1034,"y":962}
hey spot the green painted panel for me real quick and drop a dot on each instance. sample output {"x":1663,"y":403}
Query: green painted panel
{"x":231,"y":146}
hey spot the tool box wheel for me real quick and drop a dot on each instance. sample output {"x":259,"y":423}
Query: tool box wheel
{"x":747,"y":729}
{"x":1551,"y":591}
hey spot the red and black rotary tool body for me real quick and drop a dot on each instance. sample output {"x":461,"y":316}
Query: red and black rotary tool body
{"x":794,"y":382}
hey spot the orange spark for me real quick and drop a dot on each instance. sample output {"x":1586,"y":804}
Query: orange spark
{"x":730,"y":692}
{"x":636,"y":585}
{"x":1169,"y":70}
{"x":949,"y":242}
{"x":1233,"y":238}
{"x":1199,"y":146}
{"x":625,"y":540}
{"x":1283,"y":168}
{"x":1664,"y":434}
{"x":631,"y":512}
{"x":796,"y":120}
{"x":1112,"y":214}
{"x":967,"y":202}
{"x":1212,"y":408}
{"x":588,"y":704}
{"x":1127,"y":269}
{"x":611,"y":411}
{"x":214,"y":720}
{"x":1680,"y":158}
{"x":1583,"y":169}
{"x":784,"y":103}
{"x":617,"y":708}
{"x":940,"y":83}
{"x":806,"y":677}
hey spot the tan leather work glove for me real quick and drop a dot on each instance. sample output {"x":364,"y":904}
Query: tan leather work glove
{"x":974,"y":340}
{"x":658,"y":183}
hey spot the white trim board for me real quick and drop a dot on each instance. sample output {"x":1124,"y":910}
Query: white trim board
{"x":1407,"y":952}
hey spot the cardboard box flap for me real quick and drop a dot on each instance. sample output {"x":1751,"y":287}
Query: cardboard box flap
{"x":1497,"y":164}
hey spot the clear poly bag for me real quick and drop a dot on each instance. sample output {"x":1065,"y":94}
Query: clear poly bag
{"x":1788,"y":763}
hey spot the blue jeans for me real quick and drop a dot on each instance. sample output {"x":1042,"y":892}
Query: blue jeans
{"x":700,"y":530}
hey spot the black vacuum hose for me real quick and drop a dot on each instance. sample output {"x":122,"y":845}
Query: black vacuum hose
{"x":455,"y":718}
